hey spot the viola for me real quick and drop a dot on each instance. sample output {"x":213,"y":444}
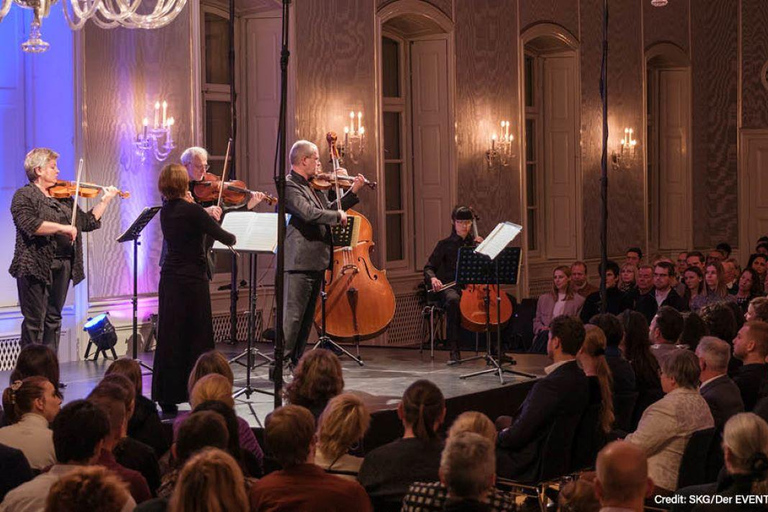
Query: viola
{"x":325,"y":181}
{"x":64,"y":189}
{"x":235,"y":192}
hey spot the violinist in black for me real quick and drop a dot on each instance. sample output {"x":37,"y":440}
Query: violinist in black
{"x":441,"y":269}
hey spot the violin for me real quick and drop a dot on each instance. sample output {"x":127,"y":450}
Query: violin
{"x":326,"y":180}
{"x":64,"y":189}
{"x":235,"y":192}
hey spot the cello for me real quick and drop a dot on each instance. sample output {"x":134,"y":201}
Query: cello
{"x":360,"y":303}
{"x":476,"y":309}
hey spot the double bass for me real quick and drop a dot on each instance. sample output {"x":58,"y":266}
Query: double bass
{"x":360,"y":302}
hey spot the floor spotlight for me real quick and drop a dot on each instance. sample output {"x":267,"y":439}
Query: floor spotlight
{"x":102,"y":334}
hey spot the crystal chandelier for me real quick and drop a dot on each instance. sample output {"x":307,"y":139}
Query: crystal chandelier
{"x":104,"y":13}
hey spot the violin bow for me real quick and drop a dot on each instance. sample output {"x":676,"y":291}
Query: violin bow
{"x":331,"y":137}
{"x":224,"y":172}
{"x":77,"y":192}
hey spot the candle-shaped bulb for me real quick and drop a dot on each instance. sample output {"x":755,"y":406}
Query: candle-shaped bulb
{"x":352,"y":122}
{"x":145,"y":122}
{"x":493,"y":137}
{"x":362,"y":130}
{"x":157,"y":114}
{"x":359,"y":120}
{"x":346,"y":130}
{"x":165,"y":113}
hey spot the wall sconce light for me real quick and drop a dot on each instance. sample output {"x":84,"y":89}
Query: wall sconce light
{"x":627,"y":148}
{"x":354,"y":139}
{"x":157,"y":140}
{"x":501,"y":147}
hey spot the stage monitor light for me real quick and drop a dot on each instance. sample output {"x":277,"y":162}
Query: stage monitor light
{"x":101,"y":331}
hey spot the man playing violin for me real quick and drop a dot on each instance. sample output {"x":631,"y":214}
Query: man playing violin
{"x":48,"y":249}
{"x":441,"y":268}
{"x":307,"y":243}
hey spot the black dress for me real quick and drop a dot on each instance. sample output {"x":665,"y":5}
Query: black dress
{"x":185,"y":328}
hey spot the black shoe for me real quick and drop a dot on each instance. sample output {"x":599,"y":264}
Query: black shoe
{"x":455,"y":357}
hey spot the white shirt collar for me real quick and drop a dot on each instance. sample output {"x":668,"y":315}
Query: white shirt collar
{"x":554,"y":366}
{"x":709,"y":381}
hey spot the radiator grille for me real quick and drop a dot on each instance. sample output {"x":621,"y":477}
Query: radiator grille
{"x":9,"y":352}
{"x":406,"y":326}
{"x":221,"y":326}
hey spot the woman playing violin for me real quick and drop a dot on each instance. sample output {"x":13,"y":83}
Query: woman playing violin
{"x":48,"y":249}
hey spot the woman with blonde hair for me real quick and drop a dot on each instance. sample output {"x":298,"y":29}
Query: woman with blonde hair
{"x":316,"y":380}
{"x":210,"y":362}
{"x":562,"y":300}
{"x":210,"y":481}
{"x":475,"y":422}
{"x":627,"y":277}
{"x":342,"y":426}
{"x":212,"y":387}
{"x":591,"y":357}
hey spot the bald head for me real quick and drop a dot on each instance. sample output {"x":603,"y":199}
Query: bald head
{"x":622,"y":475}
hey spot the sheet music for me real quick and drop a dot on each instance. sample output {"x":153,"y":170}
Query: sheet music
{"x":255,"y":232}
{"x":500,"y":237}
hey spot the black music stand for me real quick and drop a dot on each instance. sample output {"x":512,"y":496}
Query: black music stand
{"x":132,"y":234}
{"x":476,"y":268}
{"x":343,"y":237}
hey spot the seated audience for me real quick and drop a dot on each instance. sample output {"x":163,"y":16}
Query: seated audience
{"x":627,"y":277}
{"x":37,"y":360}
{"x":751,"y":347}
{"x":210,"y":481}
{"x":110,"y":398}
{"x":616,"y":302}
{"x":696,"y":259}
{"x":732,"y":272}
{"x":388,"y":470}
{"x":621,"y":479}
{"x":79,"y":431}
{"x":301,"y":485}
{"x":758,"y":263}
{"x":637,"y":349}
{"x":725,"y":249}
{"x":694,"y":329}
{"x":144,"y":425}
{"x":665,"y":329}
{"x":757,"y":310}
{"x":209,"y":363}
{"x":745,"y":446}
{"x":561,"y":300}
{"x":663,"y":294}
{"x":714,"y":289}
{"x":738,"y":314}
{"x":667,"y":425}
{"x":721,"y":323}
{"x":720,"y":392}
{"x":634,"y":256}
{"x":748,"y":288}
{"x":86,"y":488}
{"x":591,"y":358}
{"x":251,"y":466}
{"x":580,"y":281}
{"x":467,"y":470}
{"x":14,"y":469}
{"x":681,"y":263}
{"x":562,"y":394}
{"x":30,"y":406}
{"x":715,"y":256}
{"x":341,"y":428}
{"x":578,"y":496}
{"x":621,"y":370}
{"x":316,"y":379}
{"x":644,"y":286}
{"x":693,"y":278}
{"x":431,"y":496}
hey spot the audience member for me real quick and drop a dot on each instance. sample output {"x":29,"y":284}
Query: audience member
{"x":578,"y":496}
{"x":757,"y":310}
{"x":696,"y":259}
{"x":591,"y":358}
{"x":637,"y":350}
{"x":666,"y":425}
{"x":30,"y":406}
{"x":431,"y":496}
{"x":758,"y":262}
{"x":644,"y":286}
{"x":316,"y":379}
{"x":144,"y":425}
{"x":714,"y":290}
{"x":627,"y":277}
{"x":693,"y":278}
{"x":109,"y":398}
{"x":738,"y":314}
{"x":14,"y":469}
{"x":665,"y":329}
{"x":616,"y":302}
{"x":301,"y":485}
{"x":87,"y":488}
{"x":694,"y":329}
{"x":37,"y":360}
{"x":621,"y":370}
{"x":732,"y":271}
{"x":562,"y":300}
{"x":663,"y":294}
{"x":749,"y":287}
{"x":751,"y":347}
{"x":388,"y":470}
{"x":211,"y":362}
{"x":563,"y":394}
{"x":680,"y":265}
{"x":467,"y":470}
{"x":720,"y":392}
{"x":210,"y":481}
{"x":762,"y":245}
{"x":581,"y":284}
{"x":79,"y":431}
{"x":342,"y":426}
{"x":745,"y":446}
{"x":634,"y":256}
{"x":725,"y":249}
{"x":621,"y":479}
{"x":715,"y":256}
{"x":251,"y":465}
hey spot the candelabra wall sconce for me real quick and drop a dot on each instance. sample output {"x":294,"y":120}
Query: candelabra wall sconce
{"x":626,"y":150}
{"x":156,"y":140}
{"x":501,"y":149}
{"x":351,"y":149}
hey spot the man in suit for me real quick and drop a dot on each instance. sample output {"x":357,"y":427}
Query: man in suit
{"x":308,"y":244}
{"x":562,"y":395}
{"x":751,"y":347}
{"x":663,"y":293}
{"x":720,"y":392}
{"x":581,"y":284}
{"x":665,"y":329}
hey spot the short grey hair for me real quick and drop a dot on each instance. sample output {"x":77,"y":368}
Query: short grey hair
{"x":715,"y":352}
{"x":301,"y":149}
{"x":468,"y":465}
{"x":683,"y":366}
{"x":38,"y":157}
{"x":190,"y":153}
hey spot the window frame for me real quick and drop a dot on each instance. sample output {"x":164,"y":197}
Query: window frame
{"x":535,"y":114}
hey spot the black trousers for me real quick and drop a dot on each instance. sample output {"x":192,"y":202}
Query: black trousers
{"x":301,"y":292}
{"x":41,"y":305}
{"x":450,"y":301}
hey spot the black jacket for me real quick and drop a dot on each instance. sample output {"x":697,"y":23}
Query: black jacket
{"x":617,"y":302}
{"x":14,"y":469}
{"x":648,"y":307}
{"x":724,"y":400}
{"x":442,"y":261}
{"x":750,"y":379}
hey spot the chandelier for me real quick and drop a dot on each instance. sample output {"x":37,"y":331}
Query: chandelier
{"x":104,"y":13}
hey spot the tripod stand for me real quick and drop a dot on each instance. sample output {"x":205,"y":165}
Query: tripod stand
{"x":325,"y":340}
{"x":132,"y":234}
